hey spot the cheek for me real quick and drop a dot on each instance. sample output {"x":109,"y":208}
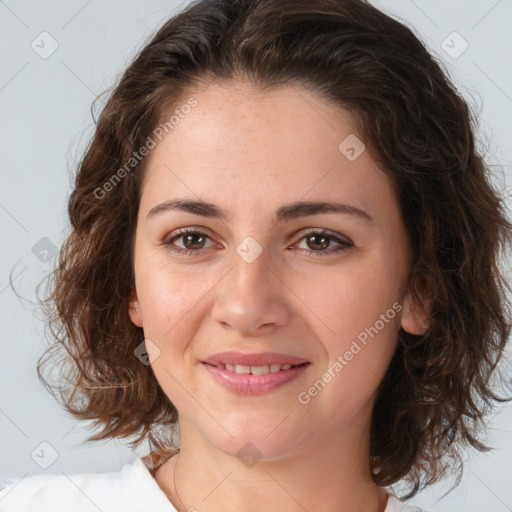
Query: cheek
{"x":169,"y":302}
{"x":357,"y":313}
{"x":357,"y":355}
{"x":351,"y":298}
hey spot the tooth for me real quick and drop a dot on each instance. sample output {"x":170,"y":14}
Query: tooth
{"x":259,"y":370}
{"x":239,"y":368}
{"x":274,"y":368}
{"x":286,"y":366}
{"x":230,"y":367}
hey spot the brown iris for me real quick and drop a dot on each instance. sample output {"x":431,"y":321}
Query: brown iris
{"x":324,"y":241}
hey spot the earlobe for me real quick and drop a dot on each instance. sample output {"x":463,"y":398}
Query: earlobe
{"x":414,"y":320}
{"x":134,"y":310}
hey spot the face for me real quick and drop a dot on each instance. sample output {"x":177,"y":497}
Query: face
{"x":258,"y":273}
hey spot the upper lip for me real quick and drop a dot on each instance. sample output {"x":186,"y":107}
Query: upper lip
{"x":261,"y":359}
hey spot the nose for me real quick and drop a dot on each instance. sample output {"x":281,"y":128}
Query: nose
{"x":252,"y":299}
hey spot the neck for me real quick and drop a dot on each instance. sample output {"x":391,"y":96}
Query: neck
{"x":319,"y":477}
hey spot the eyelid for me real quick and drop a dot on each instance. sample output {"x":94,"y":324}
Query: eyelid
{"x":298,"y":237}
{"x":179,"y":233}
{"x":337,"y":236}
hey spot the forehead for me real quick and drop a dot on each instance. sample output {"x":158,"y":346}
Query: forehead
{"x":243,"y":146}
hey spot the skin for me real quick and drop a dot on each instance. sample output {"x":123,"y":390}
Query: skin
{"x":250,"y":152}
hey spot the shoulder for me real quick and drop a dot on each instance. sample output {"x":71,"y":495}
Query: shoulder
{"x":132,"y":489}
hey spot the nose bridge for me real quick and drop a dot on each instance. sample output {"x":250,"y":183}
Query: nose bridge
{"x":250,"y":296}
{"x":251,"y":261}
{"x":251,"y":270}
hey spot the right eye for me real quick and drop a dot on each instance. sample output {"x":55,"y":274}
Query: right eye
{"x":192,"y":239}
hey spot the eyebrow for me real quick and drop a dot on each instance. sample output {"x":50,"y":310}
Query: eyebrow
{"x":284,"y":213}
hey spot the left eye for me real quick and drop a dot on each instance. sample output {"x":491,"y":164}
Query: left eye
{"x":322,"y":240}
{"x":194,"y":242}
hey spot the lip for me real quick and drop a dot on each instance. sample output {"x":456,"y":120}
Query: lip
{"x":248,"y":384}
{"x":261,"y":359}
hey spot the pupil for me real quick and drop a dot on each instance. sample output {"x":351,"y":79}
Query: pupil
{"x":190,"y":237}
{"x":325,"y":239}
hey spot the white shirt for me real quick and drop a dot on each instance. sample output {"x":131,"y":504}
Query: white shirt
{"x":132,"y":489}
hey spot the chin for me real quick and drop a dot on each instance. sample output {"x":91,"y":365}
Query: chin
{"x":254,"y":441}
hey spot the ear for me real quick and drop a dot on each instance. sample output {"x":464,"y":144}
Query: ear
{"x":134,"y":309}
{"x":414,"y":318}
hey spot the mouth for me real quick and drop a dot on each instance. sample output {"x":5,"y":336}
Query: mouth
{"x":254,"y":374}
{"x":255,"y":379}
{"x":256,"y":370}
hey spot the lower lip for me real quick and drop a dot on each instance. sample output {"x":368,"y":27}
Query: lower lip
{"x":248,"y":384}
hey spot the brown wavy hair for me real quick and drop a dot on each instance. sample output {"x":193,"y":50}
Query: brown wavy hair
{"x":439,"y":387}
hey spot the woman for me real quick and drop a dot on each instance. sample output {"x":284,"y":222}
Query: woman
{"x":283,"y":243}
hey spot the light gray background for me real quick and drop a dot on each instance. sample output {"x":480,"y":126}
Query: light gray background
{"x":45,"y":124}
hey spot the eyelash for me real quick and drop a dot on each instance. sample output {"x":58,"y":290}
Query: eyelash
{"x":191,"y":253}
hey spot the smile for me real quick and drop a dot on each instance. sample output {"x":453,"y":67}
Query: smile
{"x":254,"y":380}
{"x":255,"y":370}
